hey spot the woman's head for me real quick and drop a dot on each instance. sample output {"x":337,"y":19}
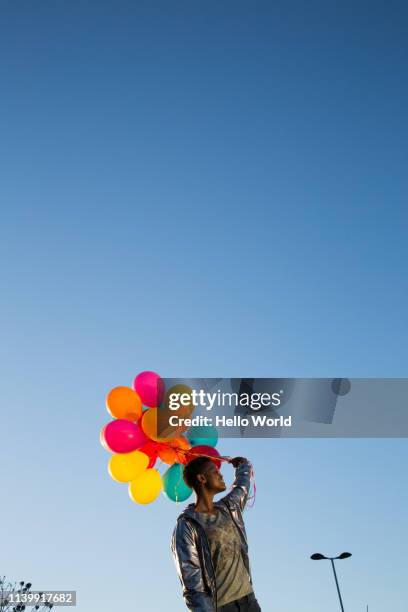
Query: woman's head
{"x":202,"y":472}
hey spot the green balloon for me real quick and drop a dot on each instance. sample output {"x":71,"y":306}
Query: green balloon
{"x":173,"y":484}
{"x":202,"y":435}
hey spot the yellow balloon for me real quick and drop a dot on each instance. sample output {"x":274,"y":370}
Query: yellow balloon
{"x":125,"y":467}
{"x":145,"y":488}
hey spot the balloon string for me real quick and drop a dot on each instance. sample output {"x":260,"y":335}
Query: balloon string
{"x":190,"y":454}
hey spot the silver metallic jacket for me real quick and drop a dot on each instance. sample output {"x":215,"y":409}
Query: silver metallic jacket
{"x":191,"y":550}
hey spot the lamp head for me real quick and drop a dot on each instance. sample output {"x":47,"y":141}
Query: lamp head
{"x":344,"y":555}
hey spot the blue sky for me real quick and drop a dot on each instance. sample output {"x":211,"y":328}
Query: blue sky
{"x":201,"y":190}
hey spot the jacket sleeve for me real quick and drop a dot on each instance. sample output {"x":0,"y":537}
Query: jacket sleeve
{"x":240,"y":488}
{"x":188,"y":566}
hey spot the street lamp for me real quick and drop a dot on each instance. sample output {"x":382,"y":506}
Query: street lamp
{"x":344,"y":555}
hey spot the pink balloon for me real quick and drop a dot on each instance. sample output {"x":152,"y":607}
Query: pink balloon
{"x":150,"y":388}
{"x":102,"y":438}
{"x":203,"y":449}
{"x":122,"y":436}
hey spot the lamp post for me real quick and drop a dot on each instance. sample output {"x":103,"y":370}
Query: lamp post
{"x":344,"y":555}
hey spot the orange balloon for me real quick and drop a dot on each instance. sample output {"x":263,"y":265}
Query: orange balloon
{"x":172,"y":450}
{"x":124,"y":403}
{"x":149,"y":423}
{"x":156,"y":426}
{"x":180,"y":444}
{"x":167,"y":454}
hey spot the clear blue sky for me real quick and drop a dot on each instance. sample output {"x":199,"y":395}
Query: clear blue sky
{"x":202,"y":189}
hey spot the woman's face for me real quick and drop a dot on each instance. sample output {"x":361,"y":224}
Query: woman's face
{"x":214,"y":480}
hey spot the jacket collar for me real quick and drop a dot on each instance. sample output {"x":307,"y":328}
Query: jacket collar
{"x":189,"y":511}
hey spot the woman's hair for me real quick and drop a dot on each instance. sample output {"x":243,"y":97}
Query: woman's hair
{"x":194,"y":467}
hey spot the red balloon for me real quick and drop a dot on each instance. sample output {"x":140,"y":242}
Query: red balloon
{"x":152,"y":461}
{"x":151,"y":449}
{"x":203,"y":449}
{"x":122,"y":436}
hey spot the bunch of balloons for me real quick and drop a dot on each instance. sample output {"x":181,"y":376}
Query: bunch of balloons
{"x":133,"y":438}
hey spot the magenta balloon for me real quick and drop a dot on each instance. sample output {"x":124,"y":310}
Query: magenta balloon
{"x":122,"y":436}
{"x":203,"y":449}
{"x":150,"y":388}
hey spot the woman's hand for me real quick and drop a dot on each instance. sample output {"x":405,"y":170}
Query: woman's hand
{"x":236,"y":461}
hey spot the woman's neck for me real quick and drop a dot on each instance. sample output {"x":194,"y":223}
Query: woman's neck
{"x":204,"y":503}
